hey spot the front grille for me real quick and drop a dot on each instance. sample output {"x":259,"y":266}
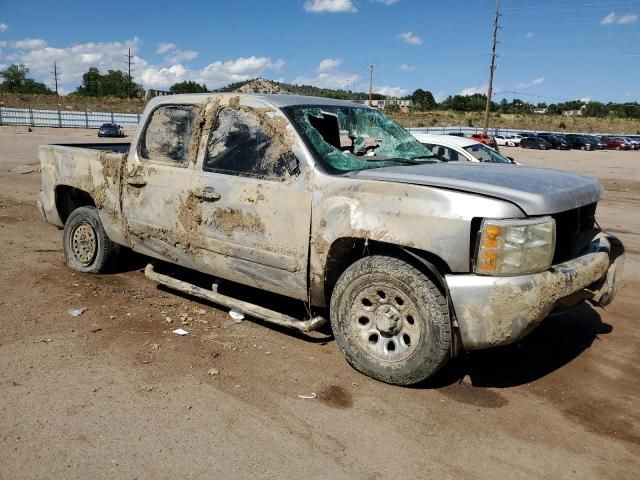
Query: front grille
{"x":569,"y":227}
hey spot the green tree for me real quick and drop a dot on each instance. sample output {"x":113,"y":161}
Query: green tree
{"x":423,"y":100}
{"x":16,"y":81}
{"x":188,"y":87}
{"x":114,"y":83}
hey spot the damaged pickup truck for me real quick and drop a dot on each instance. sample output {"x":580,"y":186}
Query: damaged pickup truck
{"x":332,"y":203}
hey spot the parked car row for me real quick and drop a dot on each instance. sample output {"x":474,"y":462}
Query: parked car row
{"x":557,"y":141}
{"x":547,"y":141}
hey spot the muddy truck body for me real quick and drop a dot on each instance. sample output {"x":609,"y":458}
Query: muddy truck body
{"x":332,"y":203}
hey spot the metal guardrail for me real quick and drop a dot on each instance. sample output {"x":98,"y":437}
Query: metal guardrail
{"x":63,"y":118}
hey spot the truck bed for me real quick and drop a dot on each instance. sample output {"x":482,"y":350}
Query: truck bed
{"x":118,"y":147}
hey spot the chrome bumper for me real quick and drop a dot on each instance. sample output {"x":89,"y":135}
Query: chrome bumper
{"x":492,"y":311}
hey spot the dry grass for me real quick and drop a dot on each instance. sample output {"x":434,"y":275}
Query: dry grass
{"x":524,"y":122}
{"x":91,"y":104}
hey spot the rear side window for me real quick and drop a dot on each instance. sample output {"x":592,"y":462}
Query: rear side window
{"x":240,"y":144}
{"x":167,"y":136}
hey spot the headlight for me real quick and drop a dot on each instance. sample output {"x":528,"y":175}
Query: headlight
{"x":515,"y":247}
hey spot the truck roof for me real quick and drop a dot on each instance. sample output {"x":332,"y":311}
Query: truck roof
{"x":276,"y":100}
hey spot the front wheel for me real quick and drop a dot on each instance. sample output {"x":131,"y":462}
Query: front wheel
{"x":390,"y":320}
{"x":87,"y":248}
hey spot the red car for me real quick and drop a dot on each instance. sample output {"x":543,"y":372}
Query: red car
{"x":616,"y":143}
{"x":484,"y":138}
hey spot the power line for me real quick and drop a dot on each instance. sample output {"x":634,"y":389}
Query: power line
{"x":614,"y":4}
{"x":492,"y":67}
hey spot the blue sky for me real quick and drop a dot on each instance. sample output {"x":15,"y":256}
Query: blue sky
{"x":549,"y":50}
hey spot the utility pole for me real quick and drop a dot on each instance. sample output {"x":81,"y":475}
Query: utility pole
{"x":129,"y":63}
{"x":492,"y":68}
{"x":56,"y":76}
{"x":371,"y":83}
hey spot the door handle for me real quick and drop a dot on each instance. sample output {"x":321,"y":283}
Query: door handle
{"x":208,"y":194}
{"x":136,"y":182}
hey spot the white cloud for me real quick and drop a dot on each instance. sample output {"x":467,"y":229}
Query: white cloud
{"x":173,"y":54}
{"x":585,"y":99}
{"x":328,"y":77}
{"x":386,"y":2}
{"x":628,"y":18}
{"x":179,"y":56}
{"x":330,"y":6}
{"x":3,"y":27}
{"x":406,"y":68}
{"x":215,"y":74}
{"x":3,"y":43}
{"x":609,"y":19}
{"x":439,"y":96}
{"x":329,"y":64}
{"x":165,"y":47}
{"x":390,"y":91}
{"x":465,"y":92}
{"x":410,"y":38}
{"x":535,"y":81}
{"x":75,"y":60}
{"x":29,"y":44}
{"x":529,"y":35}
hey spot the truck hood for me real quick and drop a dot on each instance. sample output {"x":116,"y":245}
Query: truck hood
{"x":537,"y":191}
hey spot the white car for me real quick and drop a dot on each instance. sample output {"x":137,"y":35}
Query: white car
{"x":507,"y":140}
{"x":449,"y":148}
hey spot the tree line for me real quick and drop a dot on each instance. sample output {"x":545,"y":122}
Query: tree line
{"x":115,"y":83}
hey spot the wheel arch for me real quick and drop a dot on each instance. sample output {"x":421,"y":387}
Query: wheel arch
{"x":345,"y":251}
{"x":68,"y":198}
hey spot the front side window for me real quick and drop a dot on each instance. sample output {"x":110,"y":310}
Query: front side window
{"x":349,"y":138}
{"x":167,"y":138}
{"x":240,"y":144}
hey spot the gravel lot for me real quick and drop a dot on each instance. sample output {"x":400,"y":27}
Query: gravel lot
{"x":113,"y":394}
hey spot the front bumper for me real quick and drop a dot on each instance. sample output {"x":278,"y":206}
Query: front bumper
{"x":492,"y":311}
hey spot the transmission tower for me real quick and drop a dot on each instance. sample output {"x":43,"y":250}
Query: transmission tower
{"x":129,"y":64}
{"x":492,"y":67}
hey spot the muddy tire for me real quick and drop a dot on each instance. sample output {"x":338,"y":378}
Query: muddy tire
{"x":390,"y":320}
{"x":87,"y":248}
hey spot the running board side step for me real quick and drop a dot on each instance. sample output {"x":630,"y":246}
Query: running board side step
{"x":245,"y":307}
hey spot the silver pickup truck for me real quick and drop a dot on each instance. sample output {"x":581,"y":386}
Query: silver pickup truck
{"x":332,"y":203}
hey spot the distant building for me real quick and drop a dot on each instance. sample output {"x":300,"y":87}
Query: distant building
{"x":157,"y":93}
{"x":575,"y":113}
{"x":540,"y":111}
{"x":403,"y":105}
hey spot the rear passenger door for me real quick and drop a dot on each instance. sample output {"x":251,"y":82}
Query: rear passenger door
{"x":254,"y":204}
{"x":157,"y":183}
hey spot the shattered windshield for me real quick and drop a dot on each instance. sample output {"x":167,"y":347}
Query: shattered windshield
{"x":356,"y":138}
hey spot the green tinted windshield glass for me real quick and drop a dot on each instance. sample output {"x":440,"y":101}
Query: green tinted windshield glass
{"x":356,"y":138}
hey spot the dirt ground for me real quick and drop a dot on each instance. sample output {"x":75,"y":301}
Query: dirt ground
{"x":113,"y":394}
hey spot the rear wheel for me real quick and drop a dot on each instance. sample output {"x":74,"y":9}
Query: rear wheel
{"x":391,"y":321}
{"x":87,"y":248}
